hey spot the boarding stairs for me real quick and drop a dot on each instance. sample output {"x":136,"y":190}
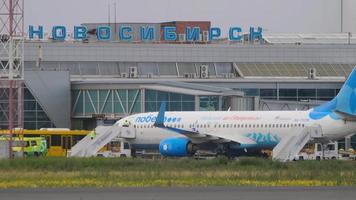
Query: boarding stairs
{"x":88,"y":147}
{"x":289,"y":147}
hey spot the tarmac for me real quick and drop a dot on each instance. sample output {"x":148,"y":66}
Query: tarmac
{"x":186,"y":193}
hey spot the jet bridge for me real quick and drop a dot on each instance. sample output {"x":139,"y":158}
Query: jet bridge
{"x":288,"y":148}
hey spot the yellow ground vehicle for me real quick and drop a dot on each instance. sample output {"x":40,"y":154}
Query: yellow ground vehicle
{"x":30,"y":146}
{"x":59,"y":141}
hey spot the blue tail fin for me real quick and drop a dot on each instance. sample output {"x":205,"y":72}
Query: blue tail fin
{"x":344,"y":103}
{"x":346,"y":99}
{"x":160,"y":117}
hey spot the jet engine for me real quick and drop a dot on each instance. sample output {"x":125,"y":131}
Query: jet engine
{"x":176,"y":147}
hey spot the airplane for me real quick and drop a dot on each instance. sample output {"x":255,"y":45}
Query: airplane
{"x":228,"y":132}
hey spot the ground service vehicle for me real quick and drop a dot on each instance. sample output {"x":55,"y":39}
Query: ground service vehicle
{"x":30,"y":146}
{"x":316,"y":152}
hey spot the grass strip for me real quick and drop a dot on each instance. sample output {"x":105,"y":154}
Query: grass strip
{"x":118,"y":172}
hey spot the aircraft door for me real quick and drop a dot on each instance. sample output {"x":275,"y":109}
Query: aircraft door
{"x":128,"y":132}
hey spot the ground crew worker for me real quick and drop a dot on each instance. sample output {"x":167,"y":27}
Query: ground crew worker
{"x":126,"y":123}
{"x":92,"y":134}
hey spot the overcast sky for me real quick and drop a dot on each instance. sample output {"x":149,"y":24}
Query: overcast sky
{"x":308,"y":16}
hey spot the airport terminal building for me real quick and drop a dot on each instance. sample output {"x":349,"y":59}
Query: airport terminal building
{"x":78,"y":84}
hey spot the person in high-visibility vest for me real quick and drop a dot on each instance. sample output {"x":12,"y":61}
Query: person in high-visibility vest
{"x":126,"y":123}
{"x":92,"y":134}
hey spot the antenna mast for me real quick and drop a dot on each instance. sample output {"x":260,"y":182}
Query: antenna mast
{"x":11,"y":66}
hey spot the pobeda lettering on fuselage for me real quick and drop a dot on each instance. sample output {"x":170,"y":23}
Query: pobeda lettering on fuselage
{"x":146,"y":33}
{"x":152,"y":118}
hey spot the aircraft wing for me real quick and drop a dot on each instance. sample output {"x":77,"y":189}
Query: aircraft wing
{"x":218,"y":137}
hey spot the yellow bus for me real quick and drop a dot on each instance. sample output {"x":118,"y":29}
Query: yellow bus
{"x":59,"y":140}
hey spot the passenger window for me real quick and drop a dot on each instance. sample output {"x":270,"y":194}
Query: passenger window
{"x":269,"y":125}
{"x":249,"y":125}
{"x":219,"y":125}
{"x":287,"y":125}
{"x":253,"y":126}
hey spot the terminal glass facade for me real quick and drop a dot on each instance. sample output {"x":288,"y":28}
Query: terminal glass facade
{"x":175,"y":101}
{"x":34,"y":115}
{"x":293,"y":94}
{"x":209,"y":103}
{"x":86,"y":103}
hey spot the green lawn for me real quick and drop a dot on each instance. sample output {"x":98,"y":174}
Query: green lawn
{"x":118,"y":172}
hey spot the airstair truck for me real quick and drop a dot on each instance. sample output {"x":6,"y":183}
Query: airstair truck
{"x":316,"y":152}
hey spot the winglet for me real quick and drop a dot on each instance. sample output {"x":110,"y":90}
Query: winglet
{"x":160,"y":117}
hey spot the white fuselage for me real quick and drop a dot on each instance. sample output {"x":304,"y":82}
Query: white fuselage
{"x":266,"y":127}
